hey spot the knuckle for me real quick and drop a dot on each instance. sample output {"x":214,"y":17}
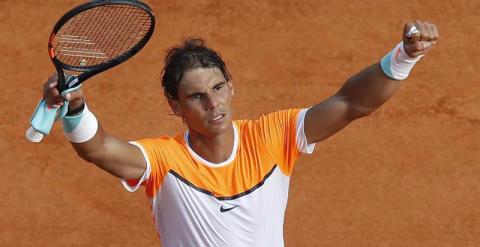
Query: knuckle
{"x":423,"y":36}
{"x":59,"y":99}
{"x":53,"y":92}
{"x":418,"y":46}
{"x":46,"y":89}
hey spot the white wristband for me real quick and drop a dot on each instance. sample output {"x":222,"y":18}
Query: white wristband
{"x":397,"y":64}
{"x":80,"y":128}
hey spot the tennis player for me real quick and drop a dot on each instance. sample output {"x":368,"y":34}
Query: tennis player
{"x":224,"y":182}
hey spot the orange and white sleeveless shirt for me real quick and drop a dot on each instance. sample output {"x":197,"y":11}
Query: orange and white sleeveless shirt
{"x":239,"y":202}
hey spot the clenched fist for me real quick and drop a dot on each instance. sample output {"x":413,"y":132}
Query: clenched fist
{"x":419,"y":37}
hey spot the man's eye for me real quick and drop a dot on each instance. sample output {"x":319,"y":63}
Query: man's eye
{"x":196,"y":96}
{"x":219,"y":87}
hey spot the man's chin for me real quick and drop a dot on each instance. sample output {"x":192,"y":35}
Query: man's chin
{"x":218,"y":128}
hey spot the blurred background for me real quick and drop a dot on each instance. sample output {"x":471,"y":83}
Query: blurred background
{"x":408,"y":175}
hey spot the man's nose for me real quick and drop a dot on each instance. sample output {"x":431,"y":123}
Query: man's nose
{"x":212,"y":101}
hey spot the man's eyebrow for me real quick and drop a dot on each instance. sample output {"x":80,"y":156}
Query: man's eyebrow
{"x":193,"y":94}
{"x":199,"y":92}
{"x":219,"y":83}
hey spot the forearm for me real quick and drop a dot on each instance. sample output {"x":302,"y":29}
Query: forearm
{"x":109,"y":153}
{"x":367,"y":91}
{"x":105,"y":151}
{"x":94,"y":149}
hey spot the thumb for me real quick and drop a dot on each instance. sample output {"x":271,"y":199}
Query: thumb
{"x":410,"y":33}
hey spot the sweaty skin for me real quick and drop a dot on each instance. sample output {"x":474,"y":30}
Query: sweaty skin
{"x":204,"y":101}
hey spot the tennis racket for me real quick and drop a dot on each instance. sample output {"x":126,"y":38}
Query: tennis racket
{"x":94,"y":37}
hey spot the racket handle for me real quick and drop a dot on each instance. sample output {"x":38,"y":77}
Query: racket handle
{"x":33,"y":135}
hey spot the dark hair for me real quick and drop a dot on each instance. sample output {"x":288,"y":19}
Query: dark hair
{"x":192,"y":54}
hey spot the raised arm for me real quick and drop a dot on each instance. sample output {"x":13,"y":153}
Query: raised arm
{"x":366,"y":91}
{"x":94,"y":145}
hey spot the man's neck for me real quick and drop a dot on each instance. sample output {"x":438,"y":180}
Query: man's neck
{"x":215,"y":149}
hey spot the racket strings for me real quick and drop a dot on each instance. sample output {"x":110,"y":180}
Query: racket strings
{"x":112,"y":29}
{"x":126,"y":41}
{"x":100,"y":34}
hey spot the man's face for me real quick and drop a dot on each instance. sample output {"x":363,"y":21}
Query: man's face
{"x":204,"y":101}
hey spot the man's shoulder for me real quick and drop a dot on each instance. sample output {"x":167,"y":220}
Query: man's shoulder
{"x":282,"y":113}
{"x":164,"y":140}
{"x":266,"y":123}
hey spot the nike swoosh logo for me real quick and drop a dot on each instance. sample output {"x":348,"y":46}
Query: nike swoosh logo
{"x":223,"y":210}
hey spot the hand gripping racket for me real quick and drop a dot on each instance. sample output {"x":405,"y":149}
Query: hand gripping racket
{"x":90,"y":39}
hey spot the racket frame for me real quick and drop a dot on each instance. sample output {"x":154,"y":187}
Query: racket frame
{"x":90,"y":71}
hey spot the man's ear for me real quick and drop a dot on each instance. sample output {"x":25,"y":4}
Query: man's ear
{"x":232,"y":89}
{"x":175,"y":107}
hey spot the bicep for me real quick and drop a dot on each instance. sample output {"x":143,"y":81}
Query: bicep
{"x":124,"y":159}
{"x":326,"y":118}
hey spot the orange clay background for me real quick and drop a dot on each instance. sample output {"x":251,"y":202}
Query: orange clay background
{"x":408,"y":175}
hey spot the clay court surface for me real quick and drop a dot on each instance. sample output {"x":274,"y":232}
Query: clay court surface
{"x":408,"y":175}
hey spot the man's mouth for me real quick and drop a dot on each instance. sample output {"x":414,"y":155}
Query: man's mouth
{"x":217,"y":118}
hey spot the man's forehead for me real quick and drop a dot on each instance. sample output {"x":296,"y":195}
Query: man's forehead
{"x":200,"y":77}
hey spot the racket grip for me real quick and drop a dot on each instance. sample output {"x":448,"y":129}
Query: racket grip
{"x":33,"y":135}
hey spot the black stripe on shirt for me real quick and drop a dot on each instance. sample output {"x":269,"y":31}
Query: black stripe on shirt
{"x":224,"y":198}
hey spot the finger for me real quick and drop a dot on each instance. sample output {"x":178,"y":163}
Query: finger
{"x":54,"y":100}
{"x":411,"y":34}
{"x":74,"y":95}
{"x":431,"y":32}
{"x":52,"y":81}
{"x":419,"y":48}
{"x":422,"y":45}
{"x":47,"y":86}
{"x":435,"y":30}
{"x":51,"y":94}
{"x":418,"y":53}
{"x":423,"y":31}
{"x":52,"y":84}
